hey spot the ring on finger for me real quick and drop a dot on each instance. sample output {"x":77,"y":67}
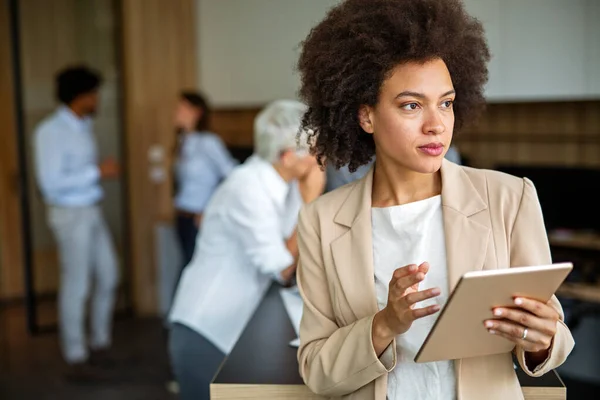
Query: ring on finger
{"x":525,"y":332}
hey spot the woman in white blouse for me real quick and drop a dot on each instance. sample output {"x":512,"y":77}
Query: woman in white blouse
{"x":379,"y":256}
{"x":202,"y":162}
{"x":248,"y":240}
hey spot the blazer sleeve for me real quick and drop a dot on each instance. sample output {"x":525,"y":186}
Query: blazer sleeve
{"x":333,"y":360}
{"x":529,"y":246}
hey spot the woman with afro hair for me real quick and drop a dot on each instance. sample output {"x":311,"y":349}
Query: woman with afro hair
{"x":395,"y":79}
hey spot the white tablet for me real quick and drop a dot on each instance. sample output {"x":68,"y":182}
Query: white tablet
{"x":459,"y":331}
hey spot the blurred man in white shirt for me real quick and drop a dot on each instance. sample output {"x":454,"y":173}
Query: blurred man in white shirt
{"x":68,"y":175}
{"x":247,"y":240}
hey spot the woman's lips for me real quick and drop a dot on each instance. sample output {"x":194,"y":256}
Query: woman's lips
{"x":432,"y":149}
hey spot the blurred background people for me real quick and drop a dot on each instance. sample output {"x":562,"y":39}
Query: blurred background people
{"x":202,"y":162}
{"x":68,"y":176}
{"x":247,"y":239}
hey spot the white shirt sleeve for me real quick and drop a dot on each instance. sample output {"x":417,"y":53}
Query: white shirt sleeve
{"x":293,"y":204}
{"x":260,"y":230}
{"x":49,"y":163}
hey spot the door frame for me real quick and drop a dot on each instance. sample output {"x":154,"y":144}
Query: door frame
{"x":14,"y":244}
{"x":22,"y":174}
{"x":150,"y":91}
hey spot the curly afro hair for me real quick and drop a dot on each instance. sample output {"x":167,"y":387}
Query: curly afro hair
{"x":347,"y":57}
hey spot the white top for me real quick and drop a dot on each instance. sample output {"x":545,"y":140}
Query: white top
{"x":239,"y":250}
{"x":66,"y":160}
{"x":202,"y":163}
{"x":411,"y":234}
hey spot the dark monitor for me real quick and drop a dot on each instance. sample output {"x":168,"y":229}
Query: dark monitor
{"x":569,"y":197}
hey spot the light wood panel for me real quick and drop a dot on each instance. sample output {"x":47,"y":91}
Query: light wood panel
{"x":11,"y":249}
{"x":560,"y":133}
{"x":301,"y":392}
{"x":235,"y":126}
{"x":159,"y":61}
{"x":566,"y":133}
{"x":256,"y":392}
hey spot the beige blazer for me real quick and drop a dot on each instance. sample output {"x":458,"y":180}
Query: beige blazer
{"x":491,"y":220}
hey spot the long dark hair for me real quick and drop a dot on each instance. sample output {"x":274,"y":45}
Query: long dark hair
{"x":199,"y":101}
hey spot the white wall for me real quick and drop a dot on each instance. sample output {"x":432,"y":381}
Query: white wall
{"x":542,"y":50}
{"x":592,"y":38}
{"x":248,"y":48}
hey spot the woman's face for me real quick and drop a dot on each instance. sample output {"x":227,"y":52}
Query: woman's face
{"x":413,"y":120}
{"x":187,"y":116}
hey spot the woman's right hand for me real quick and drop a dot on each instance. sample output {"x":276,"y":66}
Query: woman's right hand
{"x":400,"y":312}
{"x":312,"y":184}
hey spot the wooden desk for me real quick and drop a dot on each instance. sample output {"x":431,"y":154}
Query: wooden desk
{"x":575,"y":240}
{"x":580,"y":291}
{"x":588,"y":245}
{"x":262,"y":365}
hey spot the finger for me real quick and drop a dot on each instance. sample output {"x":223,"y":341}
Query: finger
{"x":424,"y":267}
{"x":508,"y":328}
{"x":541,"y":309}
{"x":416,"y":297}
{"x":418,"y":313}
{"x":406,"y":282}
{"x":518,"y":342}
{"x":524,"y":344}
{"x":403,"y":271}
{"x":515,"y":331}
{"x":526,"y":319}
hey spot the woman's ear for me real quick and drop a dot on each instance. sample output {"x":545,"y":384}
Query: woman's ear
{"x":286,"y":158}
{"x":364,"y":118}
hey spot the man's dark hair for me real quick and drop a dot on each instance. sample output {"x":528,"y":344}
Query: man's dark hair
{"x":75,"y":81}
{"x":200,"y":102}
{"x":347,"y":57}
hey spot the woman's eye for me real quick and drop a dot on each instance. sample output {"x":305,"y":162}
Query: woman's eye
{"x":410,"y":106}
{"x":448,"y":104}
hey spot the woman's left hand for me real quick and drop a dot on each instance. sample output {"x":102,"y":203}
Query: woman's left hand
{"x":531,"y":324}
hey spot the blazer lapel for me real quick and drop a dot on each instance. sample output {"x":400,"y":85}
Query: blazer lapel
{"x":353,"y":250}
{"x":466,"y":238}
